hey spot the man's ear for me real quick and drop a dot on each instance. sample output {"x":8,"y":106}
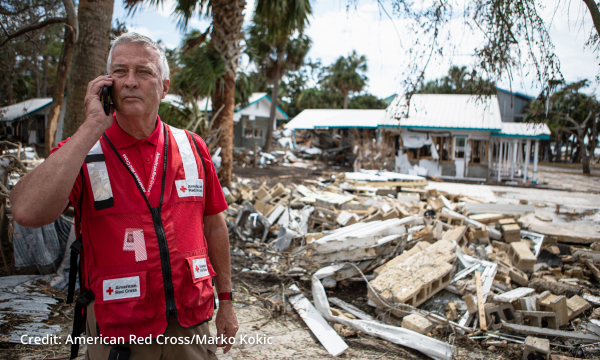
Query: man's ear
{"x":166,"y":84}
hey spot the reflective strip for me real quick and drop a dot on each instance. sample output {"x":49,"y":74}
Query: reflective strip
{"x":187,"y":155}
{"x":99,"y":177}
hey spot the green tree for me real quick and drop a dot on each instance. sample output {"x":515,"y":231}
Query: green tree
{"x":568,"y":110}
{"x":346,"y":75}
{"x":225,"y":38}
{"x":18,"y":15}
{"x":276,"y":44}
{"x":366,"y":101}
{"x":459,"y":81}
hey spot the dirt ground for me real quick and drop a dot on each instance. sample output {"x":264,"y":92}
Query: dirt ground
{"x":568,"y":178}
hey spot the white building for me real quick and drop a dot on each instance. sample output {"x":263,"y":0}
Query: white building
{"x":447,"y":136}
{"x":250,"y":122}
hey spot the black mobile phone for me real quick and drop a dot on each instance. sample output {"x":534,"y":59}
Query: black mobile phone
{"x":105,"y":101}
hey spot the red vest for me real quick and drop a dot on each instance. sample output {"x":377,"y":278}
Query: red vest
{"x":144,"y":264}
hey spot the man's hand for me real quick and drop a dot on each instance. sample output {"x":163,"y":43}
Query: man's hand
{"x":227,"y":323}
{"x":94,"y":109}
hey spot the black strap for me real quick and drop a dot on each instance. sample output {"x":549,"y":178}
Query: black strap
{"x":76,"y":248}
{"x":199,"y":153}
{"x":79,"y":319}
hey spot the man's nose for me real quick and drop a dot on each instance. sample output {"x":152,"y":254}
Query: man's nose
{"x":130,"y":80}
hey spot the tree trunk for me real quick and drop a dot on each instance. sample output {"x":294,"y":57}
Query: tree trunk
{"x":59,"y":89}
{"x":45,"y":75}
{"x":35,"y":68}
{"x":272,"y":117}
{"x":225,"y":95}
{"x":228,"y":17}
{"x":585,"y":163}
{"x":89,"y":58}
{"x":346,"y":100}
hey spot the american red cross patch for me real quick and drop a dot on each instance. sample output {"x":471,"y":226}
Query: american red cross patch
{"x":199,"y":268}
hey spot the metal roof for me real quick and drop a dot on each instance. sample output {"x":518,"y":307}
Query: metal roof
{"x":336,"y":118}
{"x":524,"y":130}
{"x":445,"y":112}
{"x":24,"y":108}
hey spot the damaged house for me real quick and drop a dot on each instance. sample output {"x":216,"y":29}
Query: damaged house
{"x":441,"y":135}
{"x":250,"y":122}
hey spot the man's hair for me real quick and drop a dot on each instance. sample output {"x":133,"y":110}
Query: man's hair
{"x":146,"y":41}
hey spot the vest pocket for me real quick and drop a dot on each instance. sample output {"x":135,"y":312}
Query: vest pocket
{"x":123,"y":300}
{"x":196,"y":293}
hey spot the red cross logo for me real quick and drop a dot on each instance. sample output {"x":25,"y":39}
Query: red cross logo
{"x":197,"y":268}
{"x":182,"y":188}
{"x":109,"y":291}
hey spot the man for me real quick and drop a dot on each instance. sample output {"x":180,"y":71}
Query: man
{"x":148,"y":203}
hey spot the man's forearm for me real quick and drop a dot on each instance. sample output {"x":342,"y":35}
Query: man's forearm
{"x":41,"y":196}
{"x":217,"y":239}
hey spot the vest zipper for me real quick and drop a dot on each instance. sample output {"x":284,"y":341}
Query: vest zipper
{"x":161,"y":237}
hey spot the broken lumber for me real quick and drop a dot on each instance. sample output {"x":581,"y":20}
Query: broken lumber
{"x":557,"y":288}
{"x":493,"y":233}
{"x":480,"y":307}
{"x":431,"y":347}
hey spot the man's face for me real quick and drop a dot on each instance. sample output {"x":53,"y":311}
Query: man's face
{"x":138,"y":86}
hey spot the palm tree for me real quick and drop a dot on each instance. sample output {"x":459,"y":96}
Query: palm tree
{"x":89,"y":57}
{"x":345,"y":75}
{"x":273,"y":46}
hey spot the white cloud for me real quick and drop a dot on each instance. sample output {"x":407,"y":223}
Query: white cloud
{"x":366,"y":29}
{"x":144,"y":31}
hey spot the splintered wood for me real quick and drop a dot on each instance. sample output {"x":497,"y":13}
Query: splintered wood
{"x":482,"y":322}
{"x":417,"y":278}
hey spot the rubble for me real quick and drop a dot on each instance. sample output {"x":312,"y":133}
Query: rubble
{"x":432,"y":267}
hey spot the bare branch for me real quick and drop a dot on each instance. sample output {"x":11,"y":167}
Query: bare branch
{"x":35,"y":26}
{"x":5,"y":11}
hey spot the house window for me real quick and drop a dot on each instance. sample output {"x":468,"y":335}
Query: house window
{"x":442,"y":145}
{"x":479,"y":149}
{"x":459,"y":147}
{"x":248,"y":131}
{"x":258,"y":132}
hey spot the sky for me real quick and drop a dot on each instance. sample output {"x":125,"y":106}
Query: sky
{"x":372,"y":29}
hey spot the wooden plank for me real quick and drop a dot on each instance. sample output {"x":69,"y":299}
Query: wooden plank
{"x":488,"y":218}
{"x":480,"y":307}
{"x":328,"y":337}
{"x":593,"y":268}
{"x":351,"y":309}
{"x":534,"y":330}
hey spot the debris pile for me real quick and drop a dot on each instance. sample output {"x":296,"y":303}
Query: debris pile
{"x":431,"y":268}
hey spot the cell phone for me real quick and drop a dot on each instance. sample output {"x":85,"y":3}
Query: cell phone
{"x":105,"y":101}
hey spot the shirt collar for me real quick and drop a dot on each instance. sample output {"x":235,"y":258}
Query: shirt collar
{"x":122,"y":140}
